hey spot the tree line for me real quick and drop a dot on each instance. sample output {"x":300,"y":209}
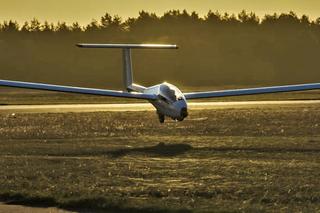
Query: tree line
{"x":218,"y":49}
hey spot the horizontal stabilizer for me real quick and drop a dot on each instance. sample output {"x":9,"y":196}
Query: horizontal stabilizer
{"x":130,"y":46}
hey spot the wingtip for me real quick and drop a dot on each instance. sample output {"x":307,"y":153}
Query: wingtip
{"x":79,"y":45}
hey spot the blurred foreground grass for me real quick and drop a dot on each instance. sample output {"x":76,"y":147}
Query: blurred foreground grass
{"x":232,"y":160}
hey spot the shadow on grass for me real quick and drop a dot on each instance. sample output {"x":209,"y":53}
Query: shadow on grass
{"x":161,"y":149}
{"x":169,"y":150}
{"x":259,"y":149}
{"x":99,"y":204}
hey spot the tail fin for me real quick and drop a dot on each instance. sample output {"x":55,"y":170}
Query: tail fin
{"x":127,"y":62}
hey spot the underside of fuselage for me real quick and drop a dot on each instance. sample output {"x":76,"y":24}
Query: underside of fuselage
{"x":163,"y":110}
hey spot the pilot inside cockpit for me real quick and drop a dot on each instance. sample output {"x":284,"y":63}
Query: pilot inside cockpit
{"x":170,"y":92}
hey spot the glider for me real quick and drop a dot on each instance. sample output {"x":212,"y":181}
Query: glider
{"x":168,"y":100}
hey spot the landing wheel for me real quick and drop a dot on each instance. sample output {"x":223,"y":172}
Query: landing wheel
{"x":161,"y":117}
{"x":180,"y":119}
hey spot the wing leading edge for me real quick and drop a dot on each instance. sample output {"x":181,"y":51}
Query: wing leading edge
{"x":80,"y":90}
{"x":252,"y":91}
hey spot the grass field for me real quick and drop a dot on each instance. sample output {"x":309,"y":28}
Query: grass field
{"x":227,"y":160}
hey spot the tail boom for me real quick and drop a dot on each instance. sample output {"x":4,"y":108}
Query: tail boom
{"x":127,"y":61}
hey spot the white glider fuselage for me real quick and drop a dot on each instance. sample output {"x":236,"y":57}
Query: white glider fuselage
{"x":170,"y":101}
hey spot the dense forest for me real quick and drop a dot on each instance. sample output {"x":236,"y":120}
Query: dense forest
{"x":218,"y":49}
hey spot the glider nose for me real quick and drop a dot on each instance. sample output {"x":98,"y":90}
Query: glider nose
{"x":184,"y":112}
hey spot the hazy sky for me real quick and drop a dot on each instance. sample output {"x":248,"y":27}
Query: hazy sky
{"x":84,"y":11}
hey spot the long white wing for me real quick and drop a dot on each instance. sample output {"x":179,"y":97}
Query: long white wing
{"x":252,"y":91}
{"x":81,"y":90}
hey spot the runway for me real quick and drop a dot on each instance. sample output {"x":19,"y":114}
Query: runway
{"x":5,"y":208}
{"x":63,"y":108}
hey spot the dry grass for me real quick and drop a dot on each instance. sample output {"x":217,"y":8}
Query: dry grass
{"x":253,"y":159}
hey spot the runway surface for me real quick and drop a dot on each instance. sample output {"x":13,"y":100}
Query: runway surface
{"x":62,"y":108}
{"x":5,"y":208}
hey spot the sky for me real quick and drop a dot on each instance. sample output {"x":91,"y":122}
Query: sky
{"x":83,"y":11}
